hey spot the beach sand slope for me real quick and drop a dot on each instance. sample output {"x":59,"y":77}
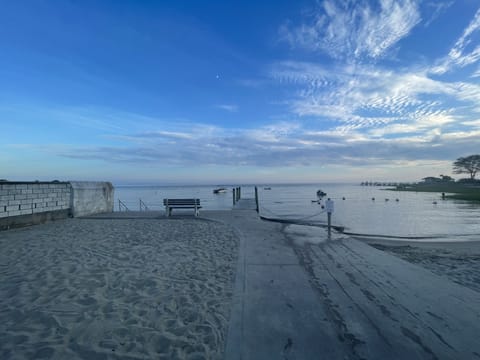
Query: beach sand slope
{"x":116,"y":289}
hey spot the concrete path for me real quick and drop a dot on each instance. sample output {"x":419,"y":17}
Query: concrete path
{"x":276,"y":313}
{"x":341,"y":299}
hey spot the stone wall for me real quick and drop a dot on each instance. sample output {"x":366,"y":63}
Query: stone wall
{"x":27,"y":203}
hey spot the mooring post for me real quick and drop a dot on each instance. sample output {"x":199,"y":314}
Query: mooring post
{"x":256,"y":197}
{"x":234,"y":196}
{"x":329,"y":207}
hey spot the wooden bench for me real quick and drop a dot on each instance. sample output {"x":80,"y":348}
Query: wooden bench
{"x":171,"y":204}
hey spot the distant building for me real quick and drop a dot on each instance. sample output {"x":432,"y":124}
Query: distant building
{"x":431,"y":179}
{"x":442,"y":179}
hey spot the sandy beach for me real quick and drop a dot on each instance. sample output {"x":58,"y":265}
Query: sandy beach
{"x":116,"y":289}
{"x":229,"y":285}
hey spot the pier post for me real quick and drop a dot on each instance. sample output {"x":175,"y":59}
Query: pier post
{"x":256,"y":198}
{"x":234,"y":196}
{"x":329,"y":215}
{"x":329,"y":207}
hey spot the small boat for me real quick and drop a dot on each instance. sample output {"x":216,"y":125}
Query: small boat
{"x":219,"y":191}
{"x":320,"y":193}
{"x":267,"y":188}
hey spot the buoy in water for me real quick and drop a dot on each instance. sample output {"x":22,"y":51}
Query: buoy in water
{"x":373,"y":199}
{"x":397,"y":200}
{"x":434,"y":203}
{"x":343,"y":198}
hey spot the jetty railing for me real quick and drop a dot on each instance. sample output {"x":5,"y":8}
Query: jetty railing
{"x":122,"y":206}
{"x":143,"y":206}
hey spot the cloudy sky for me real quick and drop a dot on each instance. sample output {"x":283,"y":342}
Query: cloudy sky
{"x":230,"y":92}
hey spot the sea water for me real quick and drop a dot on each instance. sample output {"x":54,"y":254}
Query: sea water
{"x":416,"y":215}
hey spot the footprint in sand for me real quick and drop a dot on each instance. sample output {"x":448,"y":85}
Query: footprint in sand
{"x":87,"y":301}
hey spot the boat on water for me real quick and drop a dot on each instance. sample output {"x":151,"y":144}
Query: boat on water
{"x":220,"y":191}
{"x":267,"y":188}
{"x":321,"y":194}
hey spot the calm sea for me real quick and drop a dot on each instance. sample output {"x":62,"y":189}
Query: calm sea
{"x":413,"y":215}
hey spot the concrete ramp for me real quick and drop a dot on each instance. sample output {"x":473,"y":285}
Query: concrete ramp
{"x":341,"y":299}
{"x":387,"y":308}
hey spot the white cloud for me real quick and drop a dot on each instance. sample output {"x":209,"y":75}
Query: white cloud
{"x":354,"y":29}
{"x":435,"y":8}
{"x":227,"y":107}
{"x":166,"y":134}
{"x":283,"y":144}
{"x":472,"y":123}
{"x":463,"y":53}
{"x":375,"y":100}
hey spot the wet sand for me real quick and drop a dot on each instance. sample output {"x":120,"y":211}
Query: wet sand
{"x":116,"y":289}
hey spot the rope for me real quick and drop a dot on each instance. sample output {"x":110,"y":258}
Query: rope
{"x":296,"y":219}
{"x":341,"y":230}
{"x":301,"y":221}
{"x":311,"y":216}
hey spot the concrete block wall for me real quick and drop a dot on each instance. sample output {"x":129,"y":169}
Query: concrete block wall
{"x":17,"y":198}
{"x":28,"y":203}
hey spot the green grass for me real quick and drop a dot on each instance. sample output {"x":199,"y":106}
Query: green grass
{"x":459,"y":191}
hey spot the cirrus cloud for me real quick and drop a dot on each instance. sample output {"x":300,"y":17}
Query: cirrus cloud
{"x":354,"y":29}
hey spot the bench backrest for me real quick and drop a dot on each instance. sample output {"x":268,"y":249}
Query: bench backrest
{"x":181,"y":202}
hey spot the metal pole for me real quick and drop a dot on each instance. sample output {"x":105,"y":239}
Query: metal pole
{"x":329,"y":225}
{"x":329,"y":207}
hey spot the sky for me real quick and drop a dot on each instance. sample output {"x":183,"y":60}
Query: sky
{"x":214,"y":92}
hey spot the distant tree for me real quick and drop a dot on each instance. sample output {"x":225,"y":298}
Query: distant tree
{"x":467,"y":165}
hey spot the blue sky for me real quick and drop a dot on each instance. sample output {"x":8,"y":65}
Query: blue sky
{"x":182,"y":92}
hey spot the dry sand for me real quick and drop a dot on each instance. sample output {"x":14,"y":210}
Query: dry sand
{"x":459,"y":261}
{"x":116,"y":289}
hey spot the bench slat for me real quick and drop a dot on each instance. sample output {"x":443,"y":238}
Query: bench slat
{"x":181,"y":201}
